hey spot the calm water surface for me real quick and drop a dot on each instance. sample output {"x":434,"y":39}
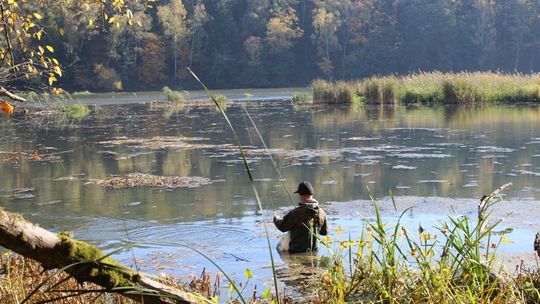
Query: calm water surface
{"x":452,"y":155}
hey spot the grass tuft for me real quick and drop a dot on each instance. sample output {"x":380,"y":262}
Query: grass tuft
{"x":76,"y":111}
{"x":174,"y":96}
{"x":300,"y":98}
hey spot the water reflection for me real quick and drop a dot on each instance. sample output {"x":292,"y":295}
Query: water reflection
{"x":413,"y":151}
{"x":442,"y":151}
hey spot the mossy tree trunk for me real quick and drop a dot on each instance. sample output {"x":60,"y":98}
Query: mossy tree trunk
{"x":89,"y":264}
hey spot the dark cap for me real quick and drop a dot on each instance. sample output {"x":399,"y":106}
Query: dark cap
{"x":305,"y":188}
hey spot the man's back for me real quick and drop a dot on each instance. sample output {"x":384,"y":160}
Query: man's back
{"x":302,"y":222}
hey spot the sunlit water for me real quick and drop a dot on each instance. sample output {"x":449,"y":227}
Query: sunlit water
{"x":440,"y":160}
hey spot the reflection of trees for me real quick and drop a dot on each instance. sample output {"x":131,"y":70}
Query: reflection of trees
{"x":333,"y":177}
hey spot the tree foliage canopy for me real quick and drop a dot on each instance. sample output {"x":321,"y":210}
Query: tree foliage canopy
{"x":134,"y":45}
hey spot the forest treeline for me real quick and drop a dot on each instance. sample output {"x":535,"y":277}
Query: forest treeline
{"x":268,"y":43}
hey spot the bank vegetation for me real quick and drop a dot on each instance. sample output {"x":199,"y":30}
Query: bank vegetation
{"x":454,"y":262}
{"x":431,"y":88}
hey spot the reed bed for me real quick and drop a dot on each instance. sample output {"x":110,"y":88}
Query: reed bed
{"x":452,"y":263}
{"x":430,"y":88}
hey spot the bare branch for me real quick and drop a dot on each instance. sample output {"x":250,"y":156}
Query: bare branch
{"x":4,"y":91}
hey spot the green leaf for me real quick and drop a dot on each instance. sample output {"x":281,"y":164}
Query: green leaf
{"x":266,"y":294}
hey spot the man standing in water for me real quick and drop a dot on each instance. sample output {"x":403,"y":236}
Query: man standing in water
{"x":303,"y":222}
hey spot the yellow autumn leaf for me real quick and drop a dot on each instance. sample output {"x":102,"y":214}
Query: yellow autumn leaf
{"x":58,"y":71}
{"x":52,"y":79}
{"x":38,"y":16}
{"x":505,"y":240}
{"x":61,"y":31}
{"x":50,"y":48}
{"x":39,"y":33}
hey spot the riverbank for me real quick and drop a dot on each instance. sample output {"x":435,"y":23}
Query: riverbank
{"x":432,"y":88}
{"x":456,"y":260}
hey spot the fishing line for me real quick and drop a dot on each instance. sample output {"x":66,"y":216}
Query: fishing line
{"x":270,"y":155}
{"x":252,"y":182}
{"x":259,"y":164}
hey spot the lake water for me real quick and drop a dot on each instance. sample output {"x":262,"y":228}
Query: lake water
{"x":440,"y":160}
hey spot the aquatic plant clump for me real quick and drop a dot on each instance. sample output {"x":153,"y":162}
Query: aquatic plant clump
{"x":455,"y":262}
{"x":76,"y":111}
{"x":434,"y":87}
{"x":174,"y":96}
{"x":135,"y":180}
{"x":301,"y":98}
{"x":163,"y":142}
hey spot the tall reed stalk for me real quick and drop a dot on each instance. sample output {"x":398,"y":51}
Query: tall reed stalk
{"x":251,"y":179}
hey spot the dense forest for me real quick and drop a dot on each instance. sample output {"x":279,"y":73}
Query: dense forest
{"x":265,"y":43}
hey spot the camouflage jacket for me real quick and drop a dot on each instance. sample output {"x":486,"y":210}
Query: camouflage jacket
{"x":308,"y":215}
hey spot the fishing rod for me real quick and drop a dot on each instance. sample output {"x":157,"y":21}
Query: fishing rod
{"x":252,"y":181}
{"x":270,"y":155}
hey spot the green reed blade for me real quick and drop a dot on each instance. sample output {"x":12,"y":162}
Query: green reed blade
{"x":252,"y":181}
{"x":270,"y":155}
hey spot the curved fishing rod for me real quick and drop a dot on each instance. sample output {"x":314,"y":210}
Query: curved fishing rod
{"x":271,"y":158}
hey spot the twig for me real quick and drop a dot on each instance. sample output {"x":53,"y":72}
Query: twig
{"x":4,"y":91}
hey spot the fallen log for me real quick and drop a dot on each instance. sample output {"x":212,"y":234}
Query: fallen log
{"x":84,"y":261}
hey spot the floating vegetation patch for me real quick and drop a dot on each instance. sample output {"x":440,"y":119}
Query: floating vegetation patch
{"x":136,"y":180}
{"x":362,"y":138}
{"x":23,"y":193}
{"x":15,"y":158}
{"x":432,"y":181}
{"x":492,"y":149}
{"x":163,"y":142}
{"x":403,"y":167}
{"x":525,"y":172}
{"x":419,"y":155}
